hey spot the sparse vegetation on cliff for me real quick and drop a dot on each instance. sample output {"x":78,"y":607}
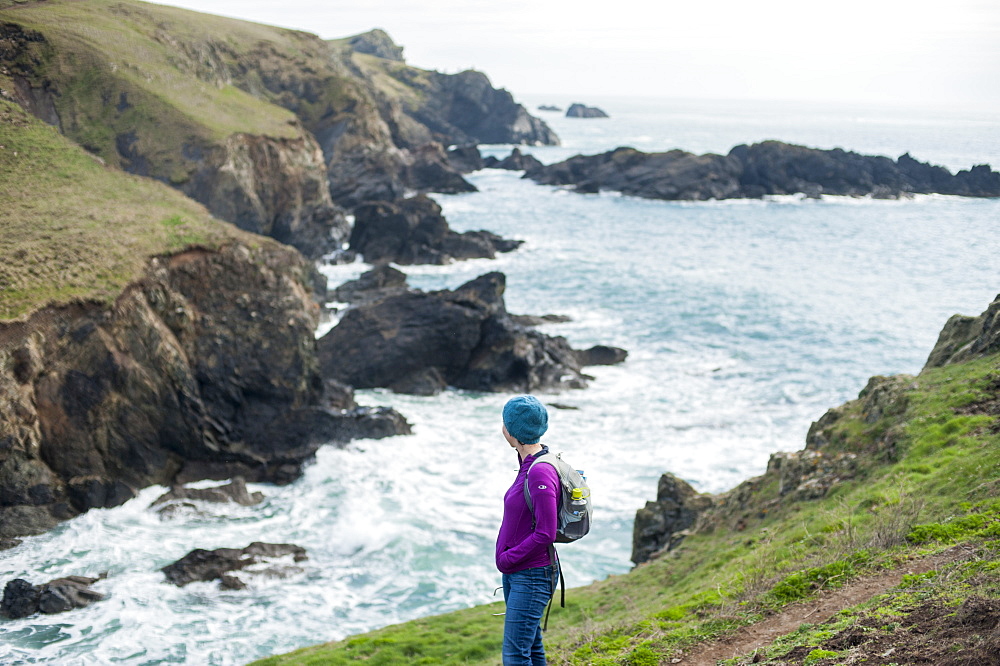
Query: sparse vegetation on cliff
{"x":910,"y":539}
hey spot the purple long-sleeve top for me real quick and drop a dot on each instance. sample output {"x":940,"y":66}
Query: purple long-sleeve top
{"x":519,"y":546}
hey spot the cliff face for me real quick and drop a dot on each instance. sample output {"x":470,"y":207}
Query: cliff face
{"x":201,"y":369}
{"x":192,"y":100}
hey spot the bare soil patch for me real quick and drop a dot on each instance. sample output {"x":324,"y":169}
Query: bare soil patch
{"x":826,"y":604}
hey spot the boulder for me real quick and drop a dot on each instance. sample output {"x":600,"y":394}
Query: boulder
{"x":207,"y":565}
{"x":22,"y":599}
{"x":420,"y":342}
{"x":601,"y":355}
{"x":413,"y":231}
{"x":577,"y":110}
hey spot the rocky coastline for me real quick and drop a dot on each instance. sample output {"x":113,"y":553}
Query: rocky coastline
{"x":762,"y":169}
{"x":821,"y":466}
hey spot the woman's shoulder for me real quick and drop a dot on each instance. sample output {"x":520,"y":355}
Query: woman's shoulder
{"x":543,"y":471}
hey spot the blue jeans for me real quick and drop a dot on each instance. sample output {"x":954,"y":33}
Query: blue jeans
{"x":526,"y":594}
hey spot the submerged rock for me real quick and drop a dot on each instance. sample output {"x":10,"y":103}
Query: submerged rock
{"x":421,"y":342}
{"x":22,"y":599}
{"x":206,"y":565}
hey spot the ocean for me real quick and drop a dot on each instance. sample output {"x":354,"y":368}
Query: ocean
{"x":744,"y":321}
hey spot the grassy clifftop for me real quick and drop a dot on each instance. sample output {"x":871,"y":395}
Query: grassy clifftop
{"x":73,"y":229}
{"x":899,"y":557}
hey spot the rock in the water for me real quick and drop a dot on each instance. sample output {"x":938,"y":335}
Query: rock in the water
{"x":661,"y":525}
{"x":549,"y":107}
{"x":538,"y":320}
{"x":21,"y":598}
{"x":419,"y":342}
{"x":234,"y":491}
{"x":431,"y":170}
{"x":763,"y":169}
{"x":577,"y":110}
{"x":413,"y":231}
{"x":466,"y":159}
{"x":517,"y":161}
{"x":601,"y":355}
{"x":206,"y":565}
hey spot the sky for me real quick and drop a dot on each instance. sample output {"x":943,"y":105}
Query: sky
{"x":924,"y":52}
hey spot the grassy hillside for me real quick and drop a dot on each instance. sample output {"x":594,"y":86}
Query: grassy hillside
{"x":927,"y":478}
{"x":155,"y":75}
{"x":73,"y":229}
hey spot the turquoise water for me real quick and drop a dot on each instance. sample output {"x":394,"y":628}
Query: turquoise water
{"x":744,"y":320}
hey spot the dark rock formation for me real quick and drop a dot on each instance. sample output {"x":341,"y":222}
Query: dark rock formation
{"x":431,"y":170}
{"x":206,"y":565}
{"x":601,"y":355}
{"x":22,"y":599}
{"x":377,"y":43}
{"x":538,"y":320}
{"x":964,"y":338}
{"x":205,"y":368}
{"x":661,"y":525}
{"x":422,"y":342}
{"x":517,"y":161}
{"x":383,"y":280}
{"x":548,"y":107}
{"x":577,"y":110}
{"x":234,"y":491}
{"x":413,"y":231}
{"x":465,"y":159}
{"x":769,"y":168}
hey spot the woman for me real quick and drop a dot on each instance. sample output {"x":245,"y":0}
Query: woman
{"x":525,"y":555}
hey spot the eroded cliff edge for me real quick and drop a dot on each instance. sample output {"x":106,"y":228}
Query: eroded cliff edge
{"x":203,"y":368}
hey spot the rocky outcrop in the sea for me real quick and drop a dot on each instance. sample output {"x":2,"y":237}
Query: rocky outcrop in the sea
{"x":418,"y":342}
{"x":235,"y":491}
{"x":413,"y":231}
{"x":22,"y":599}
{"x":516,"y":161}
{"x":465,"y":159}
{"x":577,"y":110}
{"x":204,"y":368}
{"x":265,"y":559}
{"x":549,"y":107}
{"x":768,"y":168}
{"x":964,"y":338}
{"x":383,"y":280}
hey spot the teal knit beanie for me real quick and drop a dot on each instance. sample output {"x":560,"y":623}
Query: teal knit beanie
{"x":525,"y":418}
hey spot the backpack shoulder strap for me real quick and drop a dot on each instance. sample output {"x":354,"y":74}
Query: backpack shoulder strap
{"x":542,"y":457}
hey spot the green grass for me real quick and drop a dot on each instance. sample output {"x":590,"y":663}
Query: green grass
{"x":928,"y":477}
{"x":73,"y":229}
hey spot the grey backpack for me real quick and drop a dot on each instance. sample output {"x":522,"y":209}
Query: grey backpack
{"x":574,"y":505}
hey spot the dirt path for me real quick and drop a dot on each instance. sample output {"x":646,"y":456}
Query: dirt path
{"x":814,"y":611}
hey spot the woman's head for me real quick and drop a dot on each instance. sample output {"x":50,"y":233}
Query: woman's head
{"x":525,"y":418}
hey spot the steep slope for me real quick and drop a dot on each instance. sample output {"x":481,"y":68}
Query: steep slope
{"x":842,"y":553}
{"x":250,"y":120}
{"x":143,"y":341}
